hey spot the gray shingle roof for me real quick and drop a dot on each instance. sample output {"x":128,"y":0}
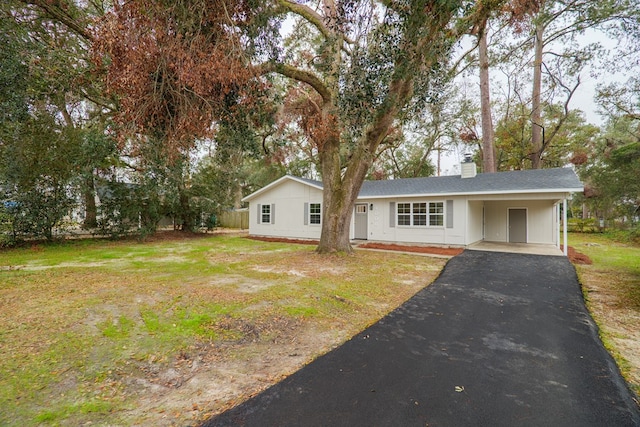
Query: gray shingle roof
{"x":311,"y":182}
{"x":558,"y":179}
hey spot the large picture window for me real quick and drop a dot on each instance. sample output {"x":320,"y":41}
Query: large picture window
{"x":420,"y":214}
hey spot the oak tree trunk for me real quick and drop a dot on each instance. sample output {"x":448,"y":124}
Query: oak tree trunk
{"x":185,"y":212}
{"x":337,"y":213}
{"x":340,"y":191}
{"x":341,"y":187}
{"x":339,"y":197}
{"x":91,"y":212}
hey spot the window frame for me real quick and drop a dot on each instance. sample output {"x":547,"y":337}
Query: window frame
{"x":315,"y":218}
{"x":436,"y":214}
{"x":264,"y":214}
{"x":420,"y":214}
{"x":403,"y":219}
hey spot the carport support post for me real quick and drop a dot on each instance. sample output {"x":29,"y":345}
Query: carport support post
{"x":558,"y":224}
{"x":564,"y":225}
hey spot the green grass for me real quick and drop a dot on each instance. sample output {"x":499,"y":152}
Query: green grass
{"x":66,"y":411}
{"x":84,"y":321}
{"x":618,"y":258}
{"x":605,"y":248}
{"x":120,"y":328}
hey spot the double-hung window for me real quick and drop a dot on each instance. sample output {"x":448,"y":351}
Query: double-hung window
{"x":404,"y":213}
{"x":420,"y":214}
{"x":266,"y":214}
{"x":314,"y":213}
{"x":436,"y":214}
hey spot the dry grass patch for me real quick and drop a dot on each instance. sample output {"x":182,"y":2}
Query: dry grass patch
{"x":171,"y":332}
{"x":612,"y":290}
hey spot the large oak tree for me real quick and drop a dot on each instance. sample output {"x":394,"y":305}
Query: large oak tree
{"x":366,"y":76}
{"x":365,"y":68}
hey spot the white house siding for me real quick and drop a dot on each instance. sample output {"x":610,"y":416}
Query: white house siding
{"x":540,"y":220}
{"x":380,"y":229}
{"x":467,"y":218}
{"x":475,"y":226}
{"x":289,"y":199}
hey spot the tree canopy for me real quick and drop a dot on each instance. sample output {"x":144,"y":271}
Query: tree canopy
{"x":360,"y":70}
{"x":177,"y":98}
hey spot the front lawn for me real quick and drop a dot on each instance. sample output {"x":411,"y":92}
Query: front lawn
{"x":611,"y":286}
{"x":169,"y":332}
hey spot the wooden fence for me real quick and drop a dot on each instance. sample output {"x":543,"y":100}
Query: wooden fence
{"x":234,"y":219}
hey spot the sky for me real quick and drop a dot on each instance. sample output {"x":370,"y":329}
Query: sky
{"x":583,"y":99}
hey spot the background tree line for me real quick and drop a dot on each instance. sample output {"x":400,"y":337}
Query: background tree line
{"x":178,"y":109}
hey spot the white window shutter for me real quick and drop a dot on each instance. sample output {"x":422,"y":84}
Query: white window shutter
{"x":259,"y":214}
{"x":392,"y":214}
{"x":306,"y":213}
{"x":273,"y":214}
{"x":449,"y":213}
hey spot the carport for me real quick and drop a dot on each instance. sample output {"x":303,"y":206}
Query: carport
{"x":526,"y":223}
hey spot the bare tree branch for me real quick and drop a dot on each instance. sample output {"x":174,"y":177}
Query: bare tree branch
{"x":54,"y":11}
{"x":308,"y":14}
{"x":565,"y":116}
{"x":297,"y":74}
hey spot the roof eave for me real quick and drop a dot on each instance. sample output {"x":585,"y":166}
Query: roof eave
{"x":476,"y":193}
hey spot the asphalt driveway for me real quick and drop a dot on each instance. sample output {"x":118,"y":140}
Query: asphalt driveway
{"x":498,"y":340}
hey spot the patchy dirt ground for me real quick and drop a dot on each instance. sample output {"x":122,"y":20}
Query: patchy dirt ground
{"x":210,"y":379}
{"x":286,"y":305}
{"x":207,"y":380}
{"x":620,"y":324}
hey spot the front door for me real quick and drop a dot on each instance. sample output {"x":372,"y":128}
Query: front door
{"x":361,"y":220}
{"x":517,"y":225}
